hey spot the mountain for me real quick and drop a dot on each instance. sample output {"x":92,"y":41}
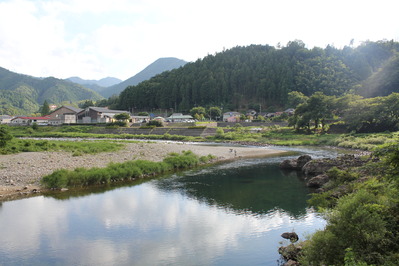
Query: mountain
{"x":96,"y":85}
{"x":23,"y":94}
{"x":157,"y":67}
{"x":244,"y":77}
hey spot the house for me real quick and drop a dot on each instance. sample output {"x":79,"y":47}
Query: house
{"x":231,"y":117}
{"x":97,"y":115}
{"x":290,"y":111}
{"x":27,"y":121}
{"x":159,"y":118}
{"x":5,"y":119}
{"x":179,"y":117}
{"x":64,"y":115}
{"x":140,"y":118}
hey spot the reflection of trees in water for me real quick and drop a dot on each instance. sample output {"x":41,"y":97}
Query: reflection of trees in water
{"x":257,"y":189}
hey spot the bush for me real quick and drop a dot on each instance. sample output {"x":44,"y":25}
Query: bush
{"x":219,"y":133}
{"x":122,"y":171}
{"x":359,"y":223}
{"x":5,"y":136}
{"x":155,"y":123}
{"x":116,"y":124}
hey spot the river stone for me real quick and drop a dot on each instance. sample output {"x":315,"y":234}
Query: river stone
{"x":302,"y":160}
{"x":318,"y":181}
{"x":291,"y":236}
{"x":289,"y":164}
{"x":317,"y":167}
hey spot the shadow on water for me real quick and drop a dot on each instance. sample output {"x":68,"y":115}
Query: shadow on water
{"x":254,"y":187}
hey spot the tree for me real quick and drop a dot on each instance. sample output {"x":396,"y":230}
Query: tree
{"x":296,"y":98}
{"x":215,"y":112}
{"x":197,"y":110}
{"x":317,"y":108}
{"x":86,"y":104}
{"x":122,"y":116}
{"x":45,"y":109}
{"x":5,"y":136}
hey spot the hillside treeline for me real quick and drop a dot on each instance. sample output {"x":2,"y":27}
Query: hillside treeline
{"x":22,"y":94}
{"x":261,"y":74}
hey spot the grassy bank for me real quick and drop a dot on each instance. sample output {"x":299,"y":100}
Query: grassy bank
{"x":76,"y":147}
{"x":281,"y":136}
{"x":130,"y":170}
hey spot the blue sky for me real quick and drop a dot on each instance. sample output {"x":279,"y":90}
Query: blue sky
{"x":93,"y":39}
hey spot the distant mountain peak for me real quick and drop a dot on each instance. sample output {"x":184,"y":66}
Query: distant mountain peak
{"x":157,"y":67}
{"x":104,"y":82}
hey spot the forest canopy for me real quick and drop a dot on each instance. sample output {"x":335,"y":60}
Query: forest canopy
{"x":263,"y":74}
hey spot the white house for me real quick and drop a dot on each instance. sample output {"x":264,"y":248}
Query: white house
{"x":26,"y":120}
{"x":179,"y":117}
{"x":5,"y":119}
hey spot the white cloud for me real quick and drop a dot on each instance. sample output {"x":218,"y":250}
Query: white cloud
{"x":95,"y":38}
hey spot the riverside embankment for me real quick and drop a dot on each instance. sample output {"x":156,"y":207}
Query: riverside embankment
{"x":20,"y":174}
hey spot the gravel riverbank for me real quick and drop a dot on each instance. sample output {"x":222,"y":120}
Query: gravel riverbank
{"x":20,"y":174}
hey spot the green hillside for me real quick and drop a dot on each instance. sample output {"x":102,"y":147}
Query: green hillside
{"x":22,"y":94}
{"x":260,"y":74}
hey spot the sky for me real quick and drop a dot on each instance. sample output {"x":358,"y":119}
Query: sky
{"x":94,"y":39}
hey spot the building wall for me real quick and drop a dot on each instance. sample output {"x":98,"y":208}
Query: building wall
{"x":58,"y":113}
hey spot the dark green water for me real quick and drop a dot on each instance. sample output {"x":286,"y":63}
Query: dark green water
{"x":230,"y":214}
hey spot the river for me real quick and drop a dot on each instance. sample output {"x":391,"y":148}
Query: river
{"x":226,"y":214}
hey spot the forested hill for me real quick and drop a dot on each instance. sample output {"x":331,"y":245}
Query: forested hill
{"x":22,"y":94}
{"x":262,"y":74}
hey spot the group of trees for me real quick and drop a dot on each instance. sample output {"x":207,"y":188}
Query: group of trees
{"x":200,"y":113}
{"x":261,"y":74}
{"x":359,"y":114}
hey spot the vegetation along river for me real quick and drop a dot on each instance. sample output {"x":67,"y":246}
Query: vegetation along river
{"x":226,"y":214}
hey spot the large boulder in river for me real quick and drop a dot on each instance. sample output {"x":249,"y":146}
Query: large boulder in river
{"x":318,"y":181}
{"x":302,"y":160}
{"x":295,"y":164}
{"x":289,"y":164}
{"x":317,"y":167}
{"x":320,"y":166}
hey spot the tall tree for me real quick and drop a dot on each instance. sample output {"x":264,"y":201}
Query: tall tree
{"x":45,"y":110}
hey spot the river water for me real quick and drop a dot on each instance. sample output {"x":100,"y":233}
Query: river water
{"x":226,"y":214}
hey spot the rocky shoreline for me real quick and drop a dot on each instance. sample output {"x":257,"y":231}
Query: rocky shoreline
{"x":314,"y":171}
{"x":20,"y":174}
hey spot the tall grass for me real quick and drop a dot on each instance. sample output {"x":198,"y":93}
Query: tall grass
{"x":76,"y":147}
{"x":129,"y":170}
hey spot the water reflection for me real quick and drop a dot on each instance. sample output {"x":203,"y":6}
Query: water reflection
{"x":228,"y":214}
{"x":255,"y":187}
{"x":141,"y":226}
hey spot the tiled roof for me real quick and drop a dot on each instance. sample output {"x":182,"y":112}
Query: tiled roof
{"x":72,"y":108}
{"x":33,"y":117}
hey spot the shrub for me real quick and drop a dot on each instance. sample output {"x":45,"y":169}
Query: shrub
{"x":115,"y":124}
{"x":155,"y":123}
{"x":121,"y":171}
{"x":359,"y":222}
{"x":219,"y":133}
{"x":5,"y":136}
